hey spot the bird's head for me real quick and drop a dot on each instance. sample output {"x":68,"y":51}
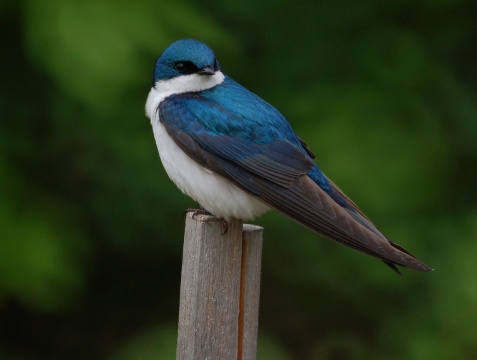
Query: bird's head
{"x":185,"y":57}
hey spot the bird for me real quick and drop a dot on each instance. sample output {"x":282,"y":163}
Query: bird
{"x":238,"y":157}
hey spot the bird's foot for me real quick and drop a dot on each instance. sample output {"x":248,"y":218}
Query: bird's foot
{"x":225,"y":227}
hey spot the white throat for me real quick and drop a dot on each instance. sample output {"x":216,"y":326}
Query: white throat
{"x":179,"y":85}
{"x":215,"y":193}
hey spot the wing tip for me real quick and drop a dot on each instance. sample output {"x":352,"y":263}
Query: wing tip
{"x":393,"y":267}
{"x":409,"y":260}
{"x":415,"y":265}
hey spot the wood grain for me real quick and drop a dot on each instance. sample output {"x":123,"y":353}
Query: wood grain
{"x":252,"y":242}
{"x":216,"y":321}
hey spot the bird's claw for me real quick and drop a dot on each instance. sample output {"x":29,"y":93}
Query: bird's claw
{"x":225,"y":227}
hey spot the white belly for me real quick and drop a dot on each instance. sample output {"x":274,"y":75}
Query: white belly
{"x":215,"y":193}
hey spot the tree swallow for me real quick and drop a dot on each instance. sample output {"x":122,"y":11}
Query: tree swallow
{"x":238,"y":157}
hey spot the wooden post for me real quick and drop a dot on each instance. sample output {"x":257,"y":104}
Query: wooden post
{"x":220,"y":287}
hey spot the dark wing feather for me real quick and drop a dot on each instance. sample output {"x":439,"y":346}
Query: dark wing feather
{"x":267,"y":154}
{"x":360,"y":212}
{"x":306,"y":203}
{"x":275,"y":172}
{"x":308,"y":150}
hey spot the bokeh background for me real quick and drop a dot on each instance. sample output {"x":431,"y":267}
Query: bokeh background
{"x":385,"y":94}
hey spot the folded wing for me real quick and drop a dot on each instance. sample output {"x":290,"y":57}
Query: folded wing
{"x":274,"y":168}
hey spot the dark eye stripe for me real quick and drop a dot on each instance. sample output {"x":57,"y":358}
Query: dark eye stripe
{"x":185,"y":67}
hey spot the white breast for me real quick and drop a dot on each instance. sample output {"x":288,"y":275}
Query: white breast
{"x":215,"y":193}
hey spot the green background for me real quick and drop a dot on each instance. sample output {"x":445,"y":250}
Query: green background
{"x":384,"y":93}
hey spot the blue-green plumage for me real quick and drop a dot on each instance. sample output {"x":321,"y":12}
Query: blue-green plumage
{"x":234,"y":123}
{"x":227,"y":148}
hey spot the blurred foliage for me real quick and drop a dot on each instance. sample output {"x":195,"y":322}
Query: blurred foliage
{"x":385,"y":93}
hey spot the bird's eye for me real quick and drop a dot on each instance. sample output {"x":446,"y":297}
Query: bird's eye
{"x":185,"y":67}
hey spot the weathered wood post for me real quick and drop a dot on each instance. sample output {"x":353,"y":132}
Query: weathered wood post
{"x":220,"y":287}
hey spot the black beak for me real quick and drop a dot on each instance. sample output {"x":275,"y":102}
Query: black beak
{"x":206,"y":70}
